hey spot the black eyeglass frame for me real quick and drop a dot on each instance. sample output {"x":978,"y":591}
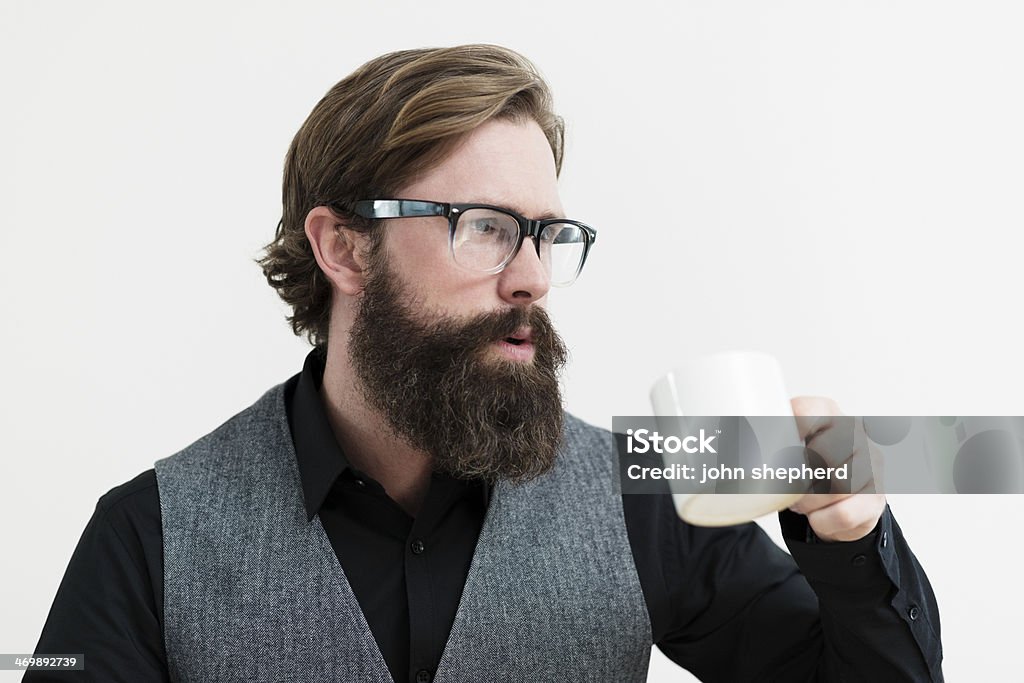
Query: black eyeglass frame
{"x":411,"y":208}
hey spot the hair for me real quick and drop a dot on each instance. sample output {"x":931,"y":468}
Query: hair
{"x":392,"y":119}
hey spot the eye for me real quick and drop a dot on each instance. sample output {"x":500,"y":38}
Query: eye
{"x":484,"y":226}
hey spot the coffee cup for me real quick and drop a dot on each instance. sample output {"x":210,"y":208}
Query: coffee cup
{"x":730,"y":383}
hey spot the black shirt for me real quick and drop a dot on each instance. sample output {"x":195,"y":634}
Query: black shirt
{"x":727,"y":603}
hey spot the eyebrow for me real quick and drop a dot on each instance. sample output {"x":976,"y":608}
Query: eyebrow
{"x":517,"y":209}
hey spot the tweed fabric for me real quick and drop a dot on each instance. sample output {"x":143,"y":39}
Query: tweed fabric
{"x":254,"y":592}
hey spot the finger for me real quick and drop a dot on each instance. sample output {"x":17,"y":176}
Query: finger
{"x":834,"y":439}
{"x":816,"y":501}
{"x":811,"y":413}
{"x":877,"y":457}
{"x":849,"y":519}
{"x":837,"y":440}
{"x":838,"y":446}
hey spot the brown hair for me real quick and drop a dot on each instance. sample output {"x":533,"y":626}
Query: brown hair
{"x":393,"y":118}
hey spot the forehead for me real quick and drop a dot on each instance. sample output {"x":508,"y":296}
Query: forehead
{"x":505,"y":163}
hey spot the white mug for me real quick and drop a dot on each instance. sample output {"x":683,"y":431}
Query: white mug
{"x":739,"y":383}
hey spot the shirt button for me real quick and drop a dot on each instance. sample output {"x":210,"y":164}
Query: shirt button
{"x":422,"y":676}
{"x":417,"y":548}
{"x":913,"y":612}
{"x":885,"y":538}
{"x":858,"y":560}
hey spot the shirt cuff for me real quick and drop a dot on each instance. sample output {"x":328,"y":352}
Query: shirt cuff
{"x":840,"y":568}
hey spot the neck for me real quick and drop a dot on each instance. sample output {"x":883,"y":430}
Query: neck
{"x":368,"y":441}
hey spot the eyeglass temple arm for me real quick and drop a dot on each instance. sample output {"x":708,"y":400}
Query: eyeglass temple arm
{"x":399,"y":208}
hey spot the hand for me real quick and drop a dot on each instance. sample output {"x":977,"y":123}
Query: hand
{"x":839,"y":516}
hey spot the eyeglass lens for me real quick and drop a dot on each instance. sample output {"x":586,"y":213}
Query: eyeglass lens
{"x":485,"y":239}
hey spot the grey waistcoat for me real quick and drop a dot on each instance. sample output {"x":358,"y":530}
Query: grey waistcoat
{"x":254,"y":592}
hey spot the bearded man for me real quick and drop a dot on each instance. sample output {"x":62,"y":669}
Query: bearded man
{"x":415,"y":505}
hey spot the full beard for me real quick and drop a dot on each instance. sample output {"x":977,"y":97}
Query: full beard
{"x":443,"y":390}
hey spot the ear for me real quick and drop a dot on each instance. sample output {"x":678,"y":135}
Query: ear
{"x":339,"y":250}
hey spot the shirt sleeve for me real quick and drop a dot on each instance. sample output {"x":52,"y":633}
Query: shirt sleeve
{"x":107,"y":607}
{"x":729,"y":605}
{"x":875,"y":598}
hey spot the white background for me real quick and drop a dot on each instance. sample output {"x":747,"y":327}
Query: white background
{"x":838,"y":184}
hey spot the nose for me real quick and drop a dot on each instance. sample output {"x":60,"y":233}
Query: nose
{"x":524,"y":280}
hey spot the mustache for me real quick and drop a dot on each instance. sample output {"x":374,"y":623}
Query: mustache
{"x":482,"y":329}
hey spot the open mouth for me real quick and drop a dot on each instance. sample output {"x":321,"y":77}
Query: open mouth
{"x":518,"y":346}
{"x":520,"y":337}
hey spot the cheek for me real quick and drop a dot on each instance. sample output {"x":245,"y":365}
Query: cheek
{"x":416,"y":253}
{"x":428,"y":273}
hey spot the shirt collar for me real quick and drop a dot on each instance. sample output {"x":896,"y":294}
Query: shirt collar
{"x":320,"y":458}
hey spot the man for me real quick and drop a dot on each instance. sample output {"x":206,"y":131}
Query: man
{"x":415,"y":505}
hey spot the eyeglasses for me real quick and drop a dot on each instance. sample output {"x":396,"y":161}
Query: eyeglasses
{"x":486,"y":238}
